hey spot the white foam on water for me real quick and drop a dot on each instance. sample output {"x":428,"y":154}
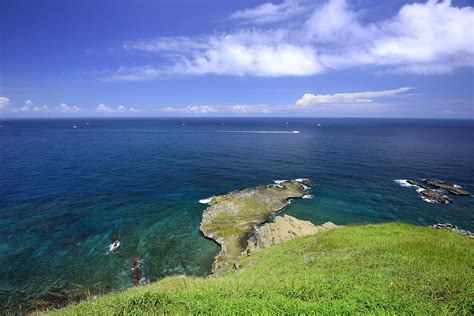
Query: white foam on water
{"x":428,"y":200}
{"x":207,"y":200}
{"x":457,"y":186}
{"x":307,"y":196}
{"x":74,"y":126}
{"x":279,"y":181}
{"x":404,"y":183}
{"x":300,"y":180}
{"x":114,"y":246}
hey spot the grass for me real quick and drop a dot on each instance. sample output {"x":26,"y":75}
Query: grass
{"x":378,"y":269}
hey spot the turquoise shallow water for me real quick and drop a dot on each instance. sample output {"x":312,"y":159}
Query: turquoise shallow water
{"x":67,"y":192}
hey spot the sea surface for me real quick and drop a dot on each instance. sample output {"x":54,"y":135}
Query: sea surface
{"x":67,"y":192}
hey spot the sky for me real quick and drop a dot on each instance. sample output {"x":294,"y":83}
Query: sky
{"x":282,"y":58}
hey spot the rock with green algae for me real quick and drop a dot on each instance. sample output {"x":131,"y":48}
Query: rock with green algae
{"x":230,"y":218}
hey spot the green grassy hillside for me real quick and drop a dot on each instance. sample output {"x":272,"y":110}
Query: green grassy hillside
{"x":388,"y":268}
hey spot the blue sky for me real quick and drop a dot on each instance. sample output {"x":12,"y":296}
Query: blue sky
{"x":237,"y":58}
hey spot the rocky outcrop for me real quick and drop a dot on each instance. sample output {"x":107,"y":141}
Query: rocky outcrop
{"x":136,"y":271}
{"x":281,"y":229}
{"x":429,"y":195}
{"x":450,"y":187}
{"x":433,"y":196}
{"x":455,"y":229}
{"x":230,"y":218}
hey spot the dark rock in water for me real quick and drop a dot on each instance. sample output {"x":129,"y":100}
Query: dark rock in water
{"x":136,"y":271}
{"x":454,"y":228}
{"x":428,"y":194}
{"x":450,"y":187}
{"x":413,"y":182}
{"x":433,"y":196}
{"x":307,"y":182}
{"x":230,"y":219}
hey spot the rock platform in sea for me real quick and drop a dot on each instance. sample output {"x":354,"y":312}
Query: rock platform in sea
{"x":428,"y":194}
{"x":450,"y":187}
{"x":230,"y":219}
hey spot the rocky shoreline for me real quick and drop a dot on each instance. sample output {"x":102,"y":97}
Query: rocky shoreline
{"x":232,"y":219}
{"x":454,"y":229}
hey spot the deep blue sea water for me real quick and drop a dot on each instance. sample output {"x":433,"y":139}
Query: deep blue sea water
{"x":66,"y":192}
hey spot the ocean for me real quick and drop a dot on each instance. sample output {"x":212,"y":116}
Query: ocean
{"x":67,"y":192}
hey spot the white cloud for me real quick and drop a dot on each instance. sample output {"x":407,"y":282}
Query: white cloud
{"x":4,"y":102}
{"x":137,"y":73}
{"x":31,"y":107}
{"x":334,"y":22}
{"x":166,"y":44}
{"x":207,"y":109}
{"x":102,"y":108}
{"x":121,"y":108}
{"x":240,"y":108}
{"x":421,"y":38}
{"x":69,"y":109}
{"x":28,"y":106}
{"x":170,"y":109}
{"x":200,"y":109}
{"x":268,"y":12}
{"x":432,"y":35}
{"x":249,"y":108}
{"x":352,"y":97}
{"x":241,"y":53}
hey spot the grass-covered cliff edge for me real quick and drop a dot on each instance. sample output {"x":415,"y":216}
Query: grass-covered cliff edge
{"x":385,"y":268}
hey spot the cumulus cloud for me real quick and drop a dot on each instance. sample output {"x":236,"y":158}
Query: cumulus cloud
{"x":63,"y":107}
{"x":421,"y":38}
{"x":352,"y":97}
{"x":200,"y":109}
{"x":102,"y":108}
{"x":31,"y":107}
{"x":4,"y":102}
